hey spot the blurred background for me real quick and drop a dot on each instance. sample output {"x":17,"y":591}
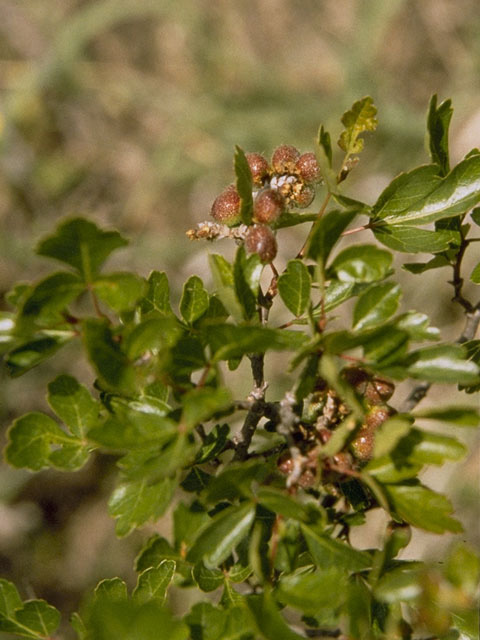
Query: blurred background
{"x":127,"y":111}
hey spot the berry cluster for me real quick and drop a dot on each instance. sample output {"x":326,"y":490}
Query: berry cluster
{"x":323,"y":412}
{"x":287,"y":182}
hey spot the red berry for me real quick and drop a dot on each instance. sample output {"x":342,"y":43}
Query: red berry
{"x":307,"y":168}
{"x":258,"y":167}
{"x":305,"y":196}
{"x":226,"y":207}
{"x":260,"y":239}
{"x":284,"y":158}
{"x":268,"y":206}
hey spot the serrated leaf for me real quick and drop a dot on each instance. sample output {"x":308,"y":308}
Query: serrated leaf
{"x":423,"y":508}
{"x":312,"y":592}
{"x":111,"y":364}
{"x":208,"y":579}
{"x":135,"y":503}
{"x":187,"y":522}
{"x":38,"y":618}
{"x":438,"y":122}
{"x":82,"y":245}
{"x":325,"y":233}
{"x":421,"y":196}
{"x":73,"y":404}
{"x":154,"y":551}
{"x":111,"y":590}
{"x":475,"y":275}
{"x":229,"y":341}
{"x":226,"y":530}
{"x":357,"y":120}
{"x":30,"y":441}
{"x":201,"y":403}
{"x":153,"y":583}
{"x":443,"y":363}
{"x":9,"y":598}
{"x":329,"y":552}
{"x":30,"y":354}
{"x":244,"y":185}
{"x":222,"y":272}
{"x":411,"y":239}
{"x":294,"y":287}
{"x":157,"y":297}
{"x":194,"y":301}
{"x":362,"y":263}
{"x":49,"y":297}
{"x":120,"y":291}
{"x":457,"y":415}
{"x":376,"y":305}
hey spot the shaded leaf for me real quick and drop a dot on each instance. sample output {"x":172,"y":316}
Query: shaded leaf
{"x":201,"y":403}
{"x":244,"y":185}
{"x":294,"y":287}
{"x":120,"y":291}
{"x":323,"y":152}
{"x":460,"y":416}
{"x":389,"y":433}
{"x":208,"y":579}
{"x":222,"y":272}
{"x":420,"y":267}
{"x":30,"y":354}
{"x":325,"y":233}
{"x":49,"y":297}
{"x":82,"y":245}
{"x":376,"y":305}
{"x":152,"y":334}
{"x":475,"y":275}
{"x":194,"y":300}
{"x":311,"y":592}
{"x":247,"y":272}
{"x":438,"y":122}
{"x":213,"y":443}
{"x":329,"y":552}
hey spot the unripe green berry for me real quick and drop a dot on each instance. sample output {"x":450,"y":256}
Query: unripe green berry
{"x":305,"y":196}
{"x":260,"y":239}
{"x":284,"y":159}
{"x":259,"y":168}
{"x":268,"y":206}
{"x":307,"y":168}
{"x":226,"y":207}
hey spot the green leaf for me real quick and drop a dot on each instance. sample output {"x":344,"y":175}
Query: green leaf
{"x":475,"y":275}
{"x":152,"y":583}
{"x":411,"y":239}
{"x":325,"y":233}
{"x":194,"y":300}
{"x":111,"y":364}
{"x":393,"y":468}
{"x":389,"y":433}
{"x":110,"y":590}
{"x":421,"y":196}
{"x":82,"y":245}
{"x":154,"y":551}
{"x":49,"y":297}
{"x":329,"y":552}
{"x":281,"y":503}
{"x":157,"y":297}
{"x":35,"y":619}
{"x":362,"y":263}
{"x":211,"y":623}
{"x":228,"y":341}
{"x":268,"y":619}
{"x":376,"y":305}
{"x":247,"y":272}
{"x":357,"y":120}
{"x":294,"y":287}
{"x":208,"y":579}
{"x":422,"y":507}
{"x":31,"y":439}
{"x":226,"y":530}
{"x":457,"y":415}
{"x":138,"y":502}
{"x":417,"y":326}
{"x":475,"y":215}
{"x":213,"y":443}
{"x":443,"y":363}
{"x":201,"y":403}
{"x":244,"y":185}
{"x":438,"y":122}
{"x":30,"y":354}
{"x":153,"y":334}
{"x":73,"y":404}
{"x":399,"y":585}
{"x":9,"y":598}
{"x":425,"y":447}
{"x":222,"y":272}
{"x":120,"y":291}
{"x":323,"y":152}
{"x":420,"y":267}
{"x":312,"y":592}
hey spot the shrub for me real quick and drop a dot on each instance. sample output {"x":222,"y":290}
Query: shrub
{"x":265,"y":490}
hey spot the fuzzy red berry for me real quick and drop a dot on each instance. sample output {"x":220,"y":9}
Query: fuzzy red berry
{"x":284,"y":159}
{"x":268,"y":206}
{"x":307,"y":168}
{"x":305,"y":196}
{"x":260,"y":239}
{"x":259,"y":168}
{"x":226,"y":207}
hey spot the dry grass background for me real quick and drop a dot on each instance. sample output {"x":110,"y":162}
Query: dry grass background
{"x":128,"y":111}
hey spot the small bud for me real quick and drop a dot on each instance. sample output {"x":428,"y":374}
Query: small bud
{"x":307,"y":168}
{"x":260,"y":239}
{"x":226,"y":207}
{"x":258,"y":167}
{"x":268,"y":206}
{"x":284,"y":158}
{"x":305,"y":196}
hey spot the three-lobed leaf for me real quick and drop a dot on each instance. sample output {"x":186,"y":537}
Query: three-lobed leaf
{"x":357,"y":120}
